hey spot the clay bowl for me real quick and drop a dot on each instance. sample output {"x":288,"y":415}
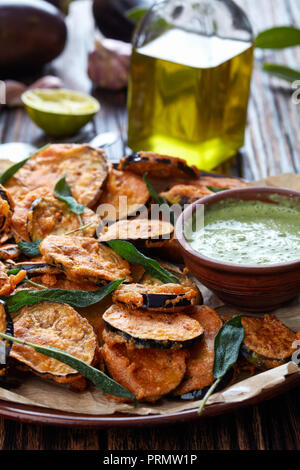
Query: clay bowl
{"x":250,"y":288}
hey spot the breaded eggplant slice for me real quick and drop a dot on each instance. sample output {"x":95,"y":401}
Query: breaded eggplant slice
{"x":6,"y":209}
{"x":206,"y":182}
{"x":158,"y":166}
{"x":166,"y":297}
{"x":22,"y":208}
{"x":185,"y":194}
{"x":199,"y":368}
{"x":49,"y":215}
{"x":84,"y":259}
{"x":34,"y":268}
{"x":59,"y":326}
{"x":9,"y":283}
{"x":153,"y":329}
{"x":6,"y":327}
{"x":9,"y":251}
{"x":85,"y":168}
{"x":148,"y":373}
{"x":126,"y":192}
{"x":138,"y":230}
{"x":268,"y":343}
{"x":185,"y":280}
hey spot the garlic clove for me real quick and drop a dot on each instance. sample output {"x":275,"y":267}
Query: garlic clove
{"x":109,"y":63}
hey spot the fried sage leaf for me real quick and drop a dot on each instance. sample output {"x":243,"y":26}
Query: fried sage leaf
{"x":216,"y":190}
{"x":63,"y":191}
{"x":226,"y":351}
{"x":128,"y":251}
{"x":75,"y":298}
{"x":159,"y":199}
{"x":30,"y":249}
{"x":16,"y":167}
{"x":98,"y":378}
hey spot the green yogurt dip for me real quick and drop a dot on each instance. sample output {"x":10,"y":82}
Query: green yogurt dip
{"x":250,"y":232}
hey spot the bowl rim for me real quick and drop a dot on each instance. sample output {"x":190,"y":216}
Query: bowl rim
{"x":222,"y":265}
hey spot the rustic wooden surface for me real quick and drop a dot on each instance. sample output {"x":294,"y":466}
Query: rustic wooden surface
{"x":272,"y":146}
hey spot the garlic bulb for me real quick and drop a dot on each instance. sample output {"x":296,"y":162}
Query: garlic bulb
{"x":109,"y":63}
{"x":15,"y":89}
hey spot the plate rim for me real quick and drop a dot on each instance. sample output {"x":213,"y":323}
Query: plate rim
{"x":30,"y":414}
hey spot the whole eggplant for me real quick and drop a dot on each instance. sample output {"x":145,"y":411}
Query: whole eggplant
{"x":111,"y":19}
{"x":32,"y":33}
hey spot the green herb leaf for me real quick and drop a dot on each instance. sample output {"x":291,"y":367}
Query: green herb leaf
{"x":153,"y":193}
{"x":159,"y":199}
{"x":227,"y":347}
{"x":63,"y":191}
{"x":98,"y":378}
{"x":136,"y":14}
{"x":282,"y":72}
{"x":30,"y":249}
{"x":128,"y":251}
{"x":13,"y":272}
{"x":14,"y":168}
{"x":75,"y":298}
{"x":216,"y":190}
{"x":278,"y":38}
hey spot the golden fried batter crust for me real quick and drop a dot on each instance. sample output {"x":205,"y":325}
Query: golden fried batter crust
{"x":137,"y":229}
{"x":49,"y":215}
{"x":121,"y":185}
{"x":132,"y":294}
{"x":159,"y":166}
{"x":147,"y":373}
{"x":57,"y":325}
{"x":9,"y":283}
{"x":84,"y":258}
{"x":85,"y":168}
{"x":156,"y":326}
{"x":185,"y":194}
{"x":199,"y":366}
{"x":268,"y":337}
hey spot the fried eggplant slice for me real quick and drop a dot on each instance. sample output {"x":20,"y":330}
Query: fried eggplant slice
{"x":185,"y":280}
{"x":147,"y":329}
{"x":166,"y":297}
{"x":49,"y":215}
{"x":206,"y":182}
{"x":185,"y":194}
{"x":85,"y":168}
{"x":148,"y":373}
{"x":9,"y":251}
{"x":9,"y":283}
{"x":84,"y":259}
{"x":6,"y":326}
{"x":199,"y":369}
{"x":22,"y":208}
{"x":6,"y":209}
{"x":34,"y":268}
{"x":59,"y":326}
{"x":138,"y":230}
{"x":126,"y":192}
{"x":268,"y":343}
{"x":158,"y":166}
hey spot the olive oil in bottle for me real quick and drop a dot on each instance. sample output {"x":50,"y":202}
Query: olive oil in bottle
{"x":188,"y":96}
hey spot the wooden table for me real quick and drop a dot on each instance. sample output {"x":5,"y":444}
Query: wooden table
{"x":272,"y":146}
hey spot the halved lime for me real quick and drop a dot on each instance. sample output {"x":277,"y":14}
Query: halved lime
{"x":59,"y":112}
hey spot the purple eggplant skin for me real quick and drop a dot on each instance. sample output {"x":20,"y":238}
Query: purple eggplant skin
{"x":32,"y":33}
{"x":111,"y":19}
